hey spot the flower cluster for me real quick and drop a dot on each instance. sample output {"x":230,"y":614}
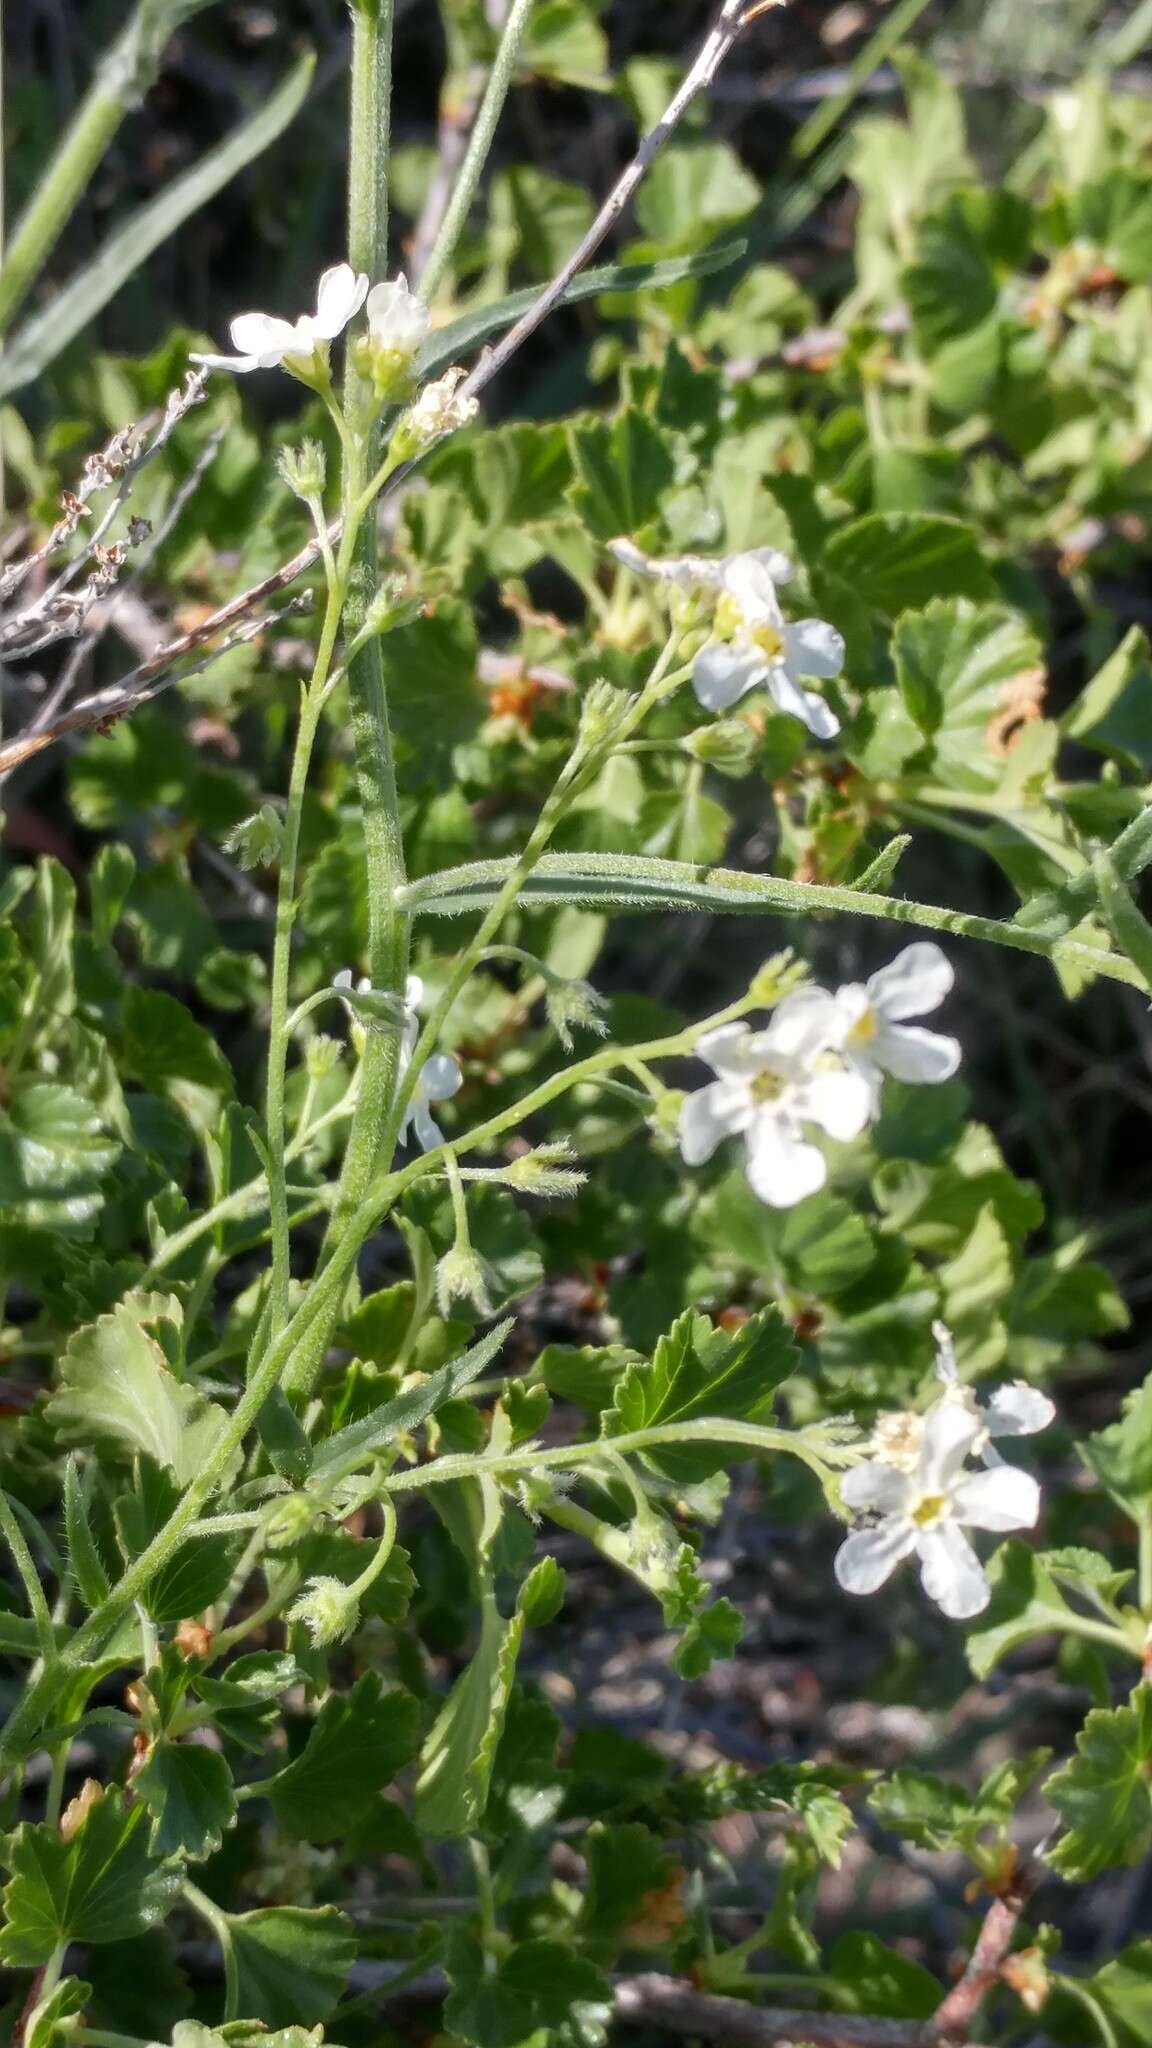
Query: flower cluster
{"x":920,"y":1497}
{"x":750,"y":643}
{"x":387,"y":354}
{"x":439,"y":1077}
{"x":820,"y":1061}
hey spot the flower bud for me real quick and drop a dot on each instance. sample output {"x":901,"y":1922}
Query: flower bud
{"x":460,"y":1276}
{"x":321,"y":1056}
{"x":602,"y":713}
{"x":777,"y":979}
{"x":290,"y":1520}
{"x":546,"y":1170}
{"x":328,"y":1610}
{"x":438,"y":410}
{"x":303,"y":469}
{"x":570,"y":1003}
{"x":257,"y":842}
{"x":727,"y":746}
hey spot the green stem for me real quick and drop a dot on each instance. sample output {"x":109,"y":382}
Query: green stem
{"x":479,"y":145}
{"x":278,"y":1030}
{"x":1144,"y":1580}
{"x":217,"y":1920}
{"x":371,"y":729}
{"x":124,"y":74}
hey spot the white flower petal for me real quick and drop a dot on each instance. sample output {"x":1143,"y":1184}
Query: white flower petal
{"x":950,"y":1430}
{"x":811,"y":710}
{"x":1003,"y":1498}
{"x":801,"y":1026}
{"x":721,"y":675}
{"x":875,"y":1486}
{"x":343,"y":979}
{"x":440,"y":1077}
{"x":240,"y":365}
{"x":840,"y":1101}
{"x":951,"y":1573}
{"x":779,"y":567}
{"x":428,"y":1132}
{"x":263,"y":336}
{"x":909,"y":1053}
{"x":870,"y":1556}
{"x":707,"y":1117}
{"x":916,"y":981}
{"x":748,"y":580}
{"x":396,"y":317}
{"x":340,"y":293}
{"x":813,"y":648}
{"x":781,"y":1168}
{"x":727,"y":1050}
{"x":413,"y":992}
{"x":1018,"y":1410}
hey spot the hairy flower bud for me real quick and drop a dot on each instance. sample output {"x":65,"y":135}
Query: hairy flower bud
{"x":303,"y":469}
{"x":291,"y":1518}
{"x":727,"y":746}
{"x":570,"y":1003}
{"x":602,"y":713}
{"x":321,"y":1056}
{"x":257,"y":842}
{"x":328,"y":1610}
{"x":461,"y":1276}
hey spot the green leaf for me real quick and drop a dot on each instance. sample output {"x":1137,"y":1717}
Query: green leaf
{"x":449,"y":344}
{"x":883,"y":1983}
{"x":566,"y":43}
{"x":955,"y":665}
{"x":1115,"y":212}
{"x":1121,"y":1455}
{"x":103,"y":1885}
{"x":291,"y":1962}
{"x":53,"y":2020}
{"x":358,"y":1742}
{"x":698,"y":1371}
{"x":54,"y":1154}
{"x":359,"y":1440}
{"x":435,"y":696}
{"x":460,"y":1747}
{"x":710,"y":1637}
{"x":541,"y":1984}
{"x":626,"y":1862}
{"x":125,"y":251}
{"x":623,"y":468}
{"x":188,"y":1791}
{"x":1118,"y":1996}
{"x":170,"y":1054}
{"x":692,"y":188}
{"x":1026,"y":1601}
{"x":891,"y":560}
{"x":1104,"y":1796}
{"x":115,"y":1388}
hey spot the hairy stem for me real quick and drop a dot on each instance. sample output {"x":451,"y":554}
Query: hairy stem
{"x":479,"y":145}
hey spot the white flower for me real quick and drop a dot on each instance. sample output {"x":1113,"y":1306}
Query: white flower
{"x":769,"y":1084}
{"x":870,"y":1029}
{"x":751,"y":644}
{"x":926,"y":1511}
{"x":397,"y":319}
{"x":263,"y":341}
{"x":438,"y":1080}
{"x":438,"y":410}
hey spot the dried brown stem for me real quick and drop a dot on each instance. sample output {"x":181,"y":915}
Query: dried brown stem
{"x":667,"y":2002}
{"x":953,"y":2019}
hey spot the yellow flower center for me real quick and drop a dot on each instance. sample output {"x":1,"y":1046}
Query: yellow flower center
{"x":768,"y":640}
{"x":930,"y":1510}
{"x":727,"y":618}
{"x":768,"y":1086}
{"x":865,"y":1028}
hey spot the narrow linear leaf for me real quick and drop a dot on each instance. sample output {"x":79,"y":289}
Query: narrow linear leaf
{"x":87,"y":1569}
{"x":411,"y":1408}
{"x":42,"y":339}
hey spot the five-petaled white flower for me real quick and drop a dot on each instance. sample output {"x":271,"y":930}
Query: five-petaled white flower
{"x":769,"y":1084}
{"x":438,"y":1080}
{"x":867,"y":1020}
{"x":751,"y":644}
{"x":263,"y":341}
{"x":927,"y":1510}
